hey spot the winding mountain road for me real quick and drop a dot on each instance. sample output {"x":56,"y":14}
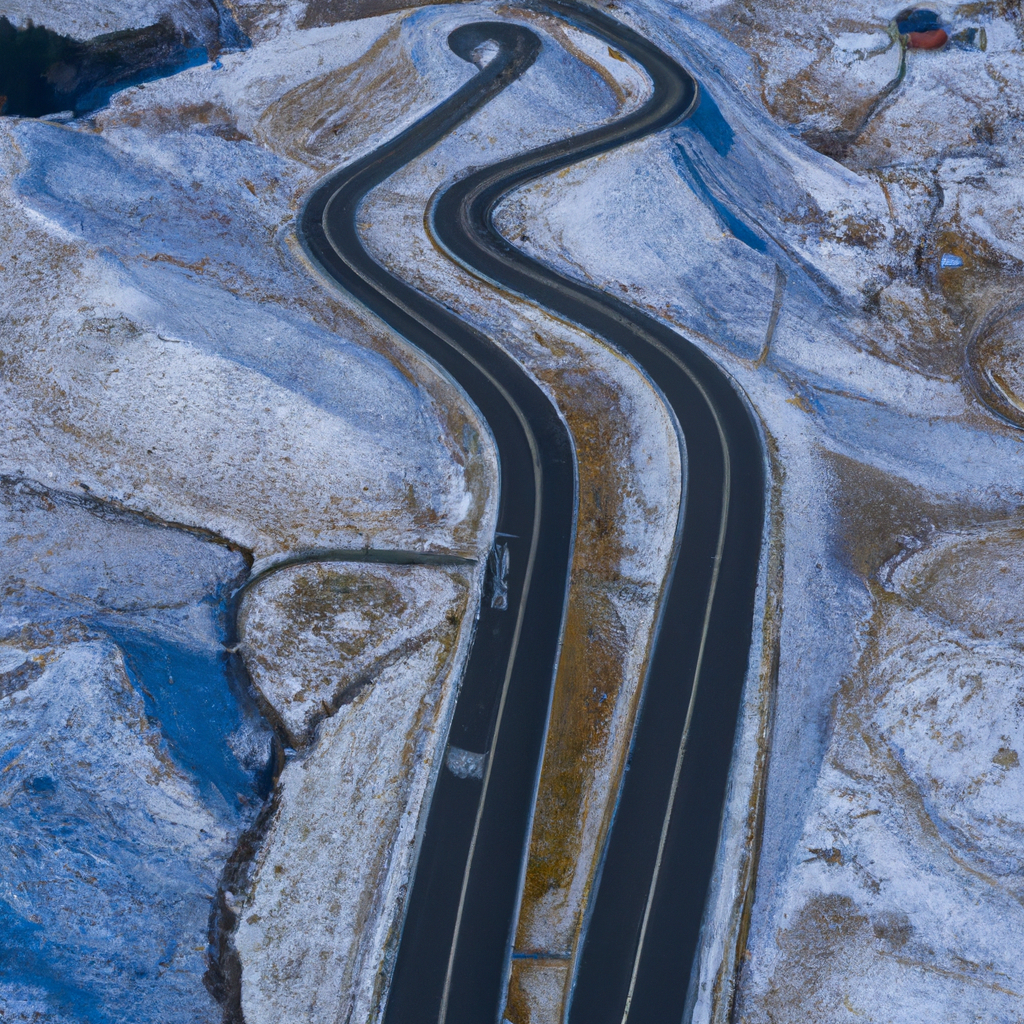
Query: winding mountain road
{"x":644,"y":922}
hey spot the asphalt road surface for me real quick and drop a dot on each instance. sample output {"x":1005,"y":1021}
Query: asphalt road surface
{"x":645,"y":918}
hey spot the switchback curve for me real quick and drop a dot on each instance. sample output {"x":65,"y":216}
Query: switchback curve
{"x":474,"y":833}
{"x":644,"y":924}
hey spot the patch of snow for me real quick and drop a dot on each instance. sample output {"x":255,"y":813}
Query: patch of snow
{"x":862,"y":44}
{"x":85,"y":20}
{"x":465,"y":764}
{"x":328,"y":886}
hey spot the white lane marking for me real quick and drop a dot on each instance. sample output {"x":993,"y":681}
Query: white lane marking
{"x":726,"y":488}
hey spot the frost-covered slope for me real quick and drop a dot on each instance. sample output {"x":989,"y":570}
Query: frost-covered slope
{"x":848,"y":298}
{"x":166,"y":355}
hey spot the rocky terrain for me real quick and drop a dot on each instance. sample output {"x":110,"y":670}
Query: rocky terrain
{"x":133,"y":758}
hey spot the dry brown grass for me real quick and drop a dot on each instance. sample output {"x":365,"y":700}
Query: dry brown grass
{"x":335,"y":628}
{"x":593,"y":707}
{"x":321,"y":121}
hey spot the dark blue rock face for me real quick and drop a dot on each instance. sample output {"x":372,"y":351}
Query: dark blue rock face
{"x":917,"y":20}
{"x":132,"y":759}
{"x":43,"y":72}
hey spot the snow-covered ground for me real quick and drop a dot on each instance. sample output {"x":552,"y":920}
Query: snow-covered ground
{"x":886,"y":886}
{"x":838,"y":225}
{"x":84,"y":21}
{"x":167,"y":356}
{"x":172,"y":355}
{"x":373,"y":650}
